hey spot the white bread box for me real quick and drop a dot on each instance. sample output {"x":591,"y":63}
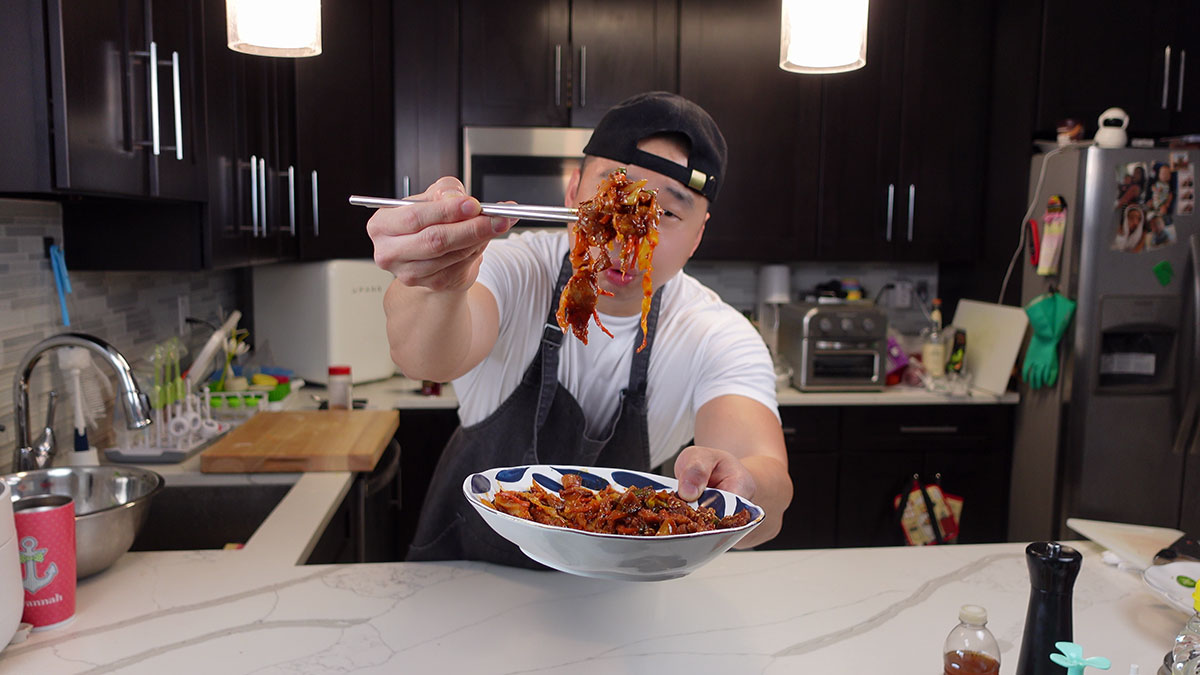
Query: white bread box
{"x":309,"y":316}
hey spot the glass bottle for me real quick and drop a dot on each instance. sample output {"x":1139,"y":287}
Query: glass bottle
{"x":1185,"y":655}
{"x":933,"y":351}
{"x":971,"y":649}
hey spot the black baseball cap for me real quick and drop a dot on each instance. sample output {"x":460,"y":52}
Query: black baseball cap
{"x":657,"y":112}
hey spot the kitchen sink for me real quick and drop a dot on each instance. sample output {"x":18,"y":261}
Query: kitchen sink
{"x":195,"y":517}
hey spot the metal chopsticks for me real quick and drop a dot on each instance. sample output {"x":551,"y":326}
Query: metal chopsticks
{"x":559,"y":213}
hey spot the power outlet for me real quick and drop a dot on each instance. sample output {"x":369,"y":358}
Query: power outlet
{"x":902,"y":294}
{"x":184,"y":304}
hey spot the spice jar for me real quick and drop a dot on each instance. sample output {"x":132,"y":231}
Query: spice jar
{"x":339,"y":388}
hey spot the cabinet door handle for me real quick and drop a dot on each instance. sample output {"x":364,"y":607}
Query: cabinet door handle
{"x":583,"y":76}
{"x":405,"y":189}
{"x":316,"y":206}
{"x":1166,"y":74}
{"x":558,"y":75}
{"x":254,"y":195}
{"x":178,"y":106}
{"x":291,"y":178}
{"x":152,"y":65}
{"x":891,"y":210}
{"x":1182,"y":63}
{"x":262,"y":200}
{"x":912,"y":204}
{"x":931,"y":429}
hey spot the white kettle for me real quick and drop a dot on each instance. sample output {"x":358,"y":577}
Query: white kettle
{"x":1111,"y":133}
{"x":12,"y":593}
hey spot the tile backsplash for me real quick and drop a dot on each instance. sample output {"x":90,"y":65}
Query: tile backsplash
{"x":130,"y":310}
{"x":737,"y":283}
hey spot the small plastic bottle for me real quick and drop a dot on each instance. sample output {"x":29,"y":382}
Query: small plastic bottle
{"x":971,"y":648}
{"x":339,"y":388}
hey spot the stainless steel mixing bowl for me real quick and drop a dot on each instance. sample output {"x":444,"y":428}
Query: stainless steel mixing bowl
{"x":111,"y":503}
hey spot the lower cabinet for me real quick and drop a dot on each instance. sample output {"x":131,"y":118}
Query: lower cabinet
{"x":847,"y":466}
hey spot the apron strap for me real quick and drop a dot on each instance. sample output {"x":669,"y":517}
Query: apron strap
{"x":552,"y":337}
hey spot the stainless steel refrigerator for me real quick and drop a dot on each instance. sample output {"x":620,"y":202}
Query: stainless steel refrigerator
{"x":1116,"y":438}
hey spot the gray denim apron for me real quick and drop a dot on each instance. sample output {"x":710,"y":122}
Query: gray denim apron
{"x":540,"y":423}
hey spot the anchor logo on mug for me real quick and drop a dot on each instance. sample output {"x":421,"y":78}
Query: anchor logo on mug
{"x":46,"y":537}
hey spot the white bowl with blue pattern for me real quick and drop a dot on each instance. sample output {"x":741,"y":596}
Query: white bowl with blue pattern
{"x":621,"y":557}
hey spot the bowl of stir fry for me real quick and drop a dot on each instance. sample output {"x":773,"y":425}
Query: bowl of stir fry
{"x":609,"y":523}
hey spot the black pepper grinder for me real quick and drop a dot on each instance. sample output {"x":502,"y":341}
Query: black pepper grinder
{"x":1053,"y":568}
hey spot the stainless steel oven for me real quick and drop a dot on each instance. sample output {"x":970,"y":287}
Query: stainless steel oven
{"x":529,"y":165}
{"x":834,"y":347}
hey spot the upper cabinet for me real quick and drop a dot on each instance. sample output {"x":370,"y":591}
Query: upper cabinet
{"x":904,"y":139}
{"x":562,"y":62}
{"x":729,"y":65}
{"x":1096,"y":56}
{"x":111,"y":103}
{"x":344,"y":124}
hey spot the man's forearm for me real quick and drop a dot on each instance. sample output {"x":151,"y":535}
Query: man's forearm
{"x":773,"y":493}
{"x":429,"y":332}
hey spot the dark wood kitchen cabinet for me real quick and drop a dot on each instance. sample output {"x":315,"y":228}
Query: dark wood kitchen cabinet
{"x":562,"y":62}
{"x":729,"y":64}
{"x":1096,"y":55}
{"x":811,"y":435}
{"x":253,"y":198}
{"x":104,"y":98}
{"x":344,"y":128}
{"x":903,"y":143}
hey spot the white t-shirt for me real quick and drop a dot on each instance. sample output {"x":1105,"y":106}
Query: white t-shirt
{"x":703,"y":348}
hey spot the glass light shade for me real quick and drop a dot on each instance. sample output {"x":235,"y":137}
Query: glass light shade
{"x":823,"y":36}
{"x":288,"y":28}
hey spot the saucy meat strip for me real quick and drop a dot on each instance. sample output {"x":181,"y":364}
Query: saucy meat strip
{"x":640,"y":511}
{"x":621,"y":219}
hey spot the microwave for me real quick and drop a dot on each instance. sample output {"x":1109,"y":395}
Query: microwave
{"x":528,"y":165}
{"x":309,"y":316}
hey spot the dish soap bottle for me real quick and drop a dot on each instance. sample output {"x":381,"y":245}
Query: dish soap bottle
{"x":933,"y":351}
{"x":971,"y":648}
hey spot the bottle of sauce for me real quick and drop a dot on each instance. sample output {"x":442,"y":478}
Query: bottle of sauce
{"x":971,"y":649}
{"x":339,"y":388}
{"x":933,"y":351}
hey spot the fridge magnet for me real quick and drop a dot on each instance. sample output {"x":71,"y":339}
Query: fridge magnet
{"x":1179,"y":161}
{"x":1131,"y":230}
{"x":1164,"y":271}
{"x":1160,"y":232}
{"x":1131,"y":184}
{"x":1160,"y":196}
{"x":1186,"y":183}
{"x":1054,"y":226}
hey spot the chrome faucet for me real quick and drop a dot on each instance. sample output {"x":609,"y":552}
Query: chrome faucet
{"x":134,"y":402}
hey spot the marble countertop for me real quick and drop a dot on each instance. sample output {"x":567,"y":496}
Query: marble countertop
{"x":401,"y":392}
{"x":818,"y":611}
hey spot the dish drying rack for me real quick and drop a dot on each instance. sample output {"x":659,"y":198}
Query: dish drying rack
{"x":181,"y":427}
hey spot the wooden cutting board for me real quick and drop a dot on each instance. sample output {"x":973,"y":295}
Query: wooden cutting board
{"x":307,"y":440}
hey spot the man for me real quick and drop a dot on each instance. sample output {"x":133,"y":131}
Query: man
{"x":528,"y":394}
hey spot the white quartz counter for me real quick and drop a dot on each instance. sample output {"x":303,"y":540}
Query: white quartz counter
{"x":821,"y":611}
{"x":401,"y":392}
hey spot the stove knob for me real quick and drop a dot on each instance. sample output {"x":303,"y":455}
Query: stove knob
{"x":847,"y":325}
{"x":868,"y":325}
{"x":825,"y":325}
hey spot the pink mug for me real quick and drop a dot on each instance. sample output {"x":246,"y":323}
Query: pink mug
{"x":46,"y":546}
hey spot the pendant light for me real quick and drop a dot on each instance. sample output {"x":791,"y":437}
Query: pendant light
{"x":823,"y":36}
{"x":287,"y":28}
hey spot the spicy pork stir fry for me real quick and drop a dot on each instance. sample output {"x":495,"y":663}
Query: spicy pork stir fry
{"x":624,"y":213}
{"x":639,"y":510}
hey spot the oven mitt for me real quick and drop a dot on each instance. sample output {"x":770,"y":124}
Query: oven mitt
{"x":1049,"y":316}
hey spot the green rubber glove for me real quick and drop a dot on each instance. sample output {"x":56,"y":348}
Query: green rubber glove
{"x":1049,"y":316}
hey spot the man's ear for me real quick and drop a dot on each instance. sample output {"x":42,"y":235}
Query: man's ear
{"x":573,"y":188}
{"x":700,"y":233}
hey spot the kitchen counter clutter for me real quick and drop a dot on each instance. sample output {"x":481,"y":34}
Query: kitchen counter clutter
{"x":401,"y":392}
{"x":818,"y":611}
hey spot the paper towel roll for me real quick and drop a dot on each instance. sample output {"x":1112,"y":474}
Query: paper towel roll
{"x":774,"y":284}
